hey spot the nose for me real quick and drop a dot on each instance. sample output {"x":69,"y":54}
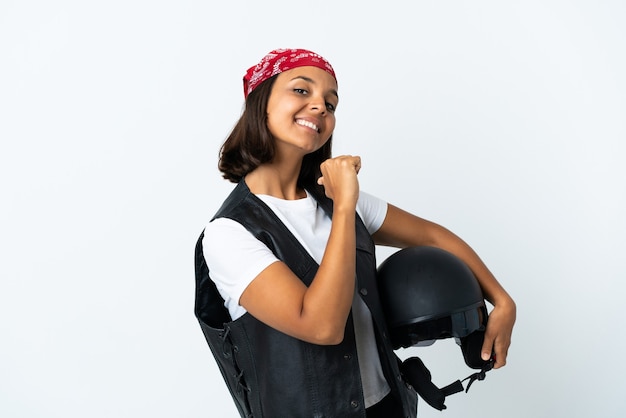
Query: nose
{"x":318,"y":103}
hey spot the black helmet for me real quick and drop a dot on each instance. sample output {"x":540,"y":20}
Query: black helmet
{"x":429,"y":294}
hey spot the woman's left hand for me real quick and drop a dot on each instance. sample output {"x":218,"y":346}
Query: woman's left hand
{"x":498,"y":333}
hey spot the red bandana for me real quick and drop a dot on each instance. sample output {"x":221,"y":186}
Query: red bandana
{"x":280,"y":60}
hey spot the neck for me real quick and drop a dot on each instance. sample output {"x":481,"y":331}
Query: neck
{"x":277,"y":179}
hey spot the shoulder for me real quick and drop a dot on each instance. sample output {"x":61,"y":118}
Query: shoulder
{"x":223,"y":234}
{"x":234,"y":258}
{"x":372,"y":211}
{"x":366,"y":198}
{"x":223,"y":225}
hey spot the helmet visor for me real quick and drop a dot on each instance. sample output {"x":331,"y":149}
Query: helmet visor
{"x":456,"y":325}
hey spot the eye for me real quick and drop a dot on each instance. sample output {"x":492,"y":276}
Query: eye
{"x":300,"y":91}
{"x":331,"y":107}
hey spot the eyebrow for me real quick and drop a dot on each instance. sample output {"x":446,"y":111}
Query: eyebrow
{"x":310,"y":80}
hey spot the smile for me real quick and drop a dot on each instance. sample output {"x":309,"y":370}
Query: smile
{"x":307,"y":124}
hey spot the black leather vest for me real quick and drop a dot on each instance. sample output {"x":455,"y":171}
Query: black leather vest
{"x":270,"y":374}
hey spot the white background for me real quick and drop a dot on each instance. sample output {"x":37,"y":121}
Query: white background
{"x":503,"y":121}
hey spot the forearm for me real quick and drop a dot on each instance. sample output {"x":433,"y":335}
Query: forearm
{"x":329,"y":297}
{"x":402,"y":229}
{"x":492,"y":289}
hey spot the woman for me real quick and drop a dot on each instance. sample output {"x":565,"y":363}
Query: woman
{"x":304,"y":332}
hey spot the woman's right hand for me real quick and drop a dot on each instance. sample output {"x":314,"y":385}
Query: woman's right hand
{"x":339,"y":178}
{"x":317,"y":313}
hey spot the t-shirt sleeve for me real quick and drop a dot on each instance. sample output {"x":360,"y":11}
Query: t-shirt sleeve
{"x":234,"y":257}
{"x":372,"y":211}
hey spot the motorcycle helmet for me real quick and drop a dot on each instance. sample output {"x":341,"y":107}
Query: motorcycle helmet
{"x":429,"y":294}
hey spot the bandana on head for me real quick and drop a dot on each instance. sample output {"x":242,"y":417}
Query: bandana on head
{"x":280,"y":60}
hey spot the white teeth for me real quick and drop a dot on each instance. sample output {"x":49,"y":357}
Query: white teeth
{"x":307,"y":124}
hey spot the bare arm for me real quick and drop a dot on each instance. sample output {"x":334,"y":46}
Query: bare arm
{"x":402,"y":229}
{"x":318,"y":313}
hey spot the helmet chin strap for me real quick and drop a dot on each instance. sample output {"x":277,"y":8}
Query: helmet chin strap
{"x":478,"y":375}
{"x":420,"y":378}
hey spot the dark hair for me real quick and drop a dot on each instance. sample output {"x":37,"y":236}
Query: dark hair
{"x":251,"y":143}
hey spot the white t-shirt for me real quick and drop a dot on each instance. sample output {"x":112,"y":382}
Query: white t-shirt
{"x":235,"y":258}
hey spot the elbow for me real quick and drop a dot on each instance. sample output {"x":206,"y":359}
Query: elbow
{"x":321,"y":329}
{"x":329,"y":337}
{"x":336,"y":338}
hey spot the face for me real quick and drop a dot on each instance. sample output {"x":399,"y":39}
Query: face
{"x":301,"y":109}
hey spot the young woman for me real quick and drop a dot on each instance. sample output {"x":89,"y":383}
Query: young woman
{"x":290,"y":256}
